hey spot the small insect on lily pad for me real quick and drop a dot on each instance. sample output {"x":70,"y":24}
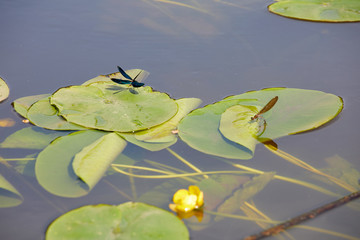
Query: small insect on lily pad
{"x":97,"y":106}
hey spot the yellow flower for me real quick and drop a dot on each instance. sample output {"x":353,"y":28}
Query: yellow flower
{"x":187,"y":200}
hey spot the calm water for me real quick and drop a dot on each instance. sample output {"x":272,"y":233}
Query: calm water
{"x":210,"y":51}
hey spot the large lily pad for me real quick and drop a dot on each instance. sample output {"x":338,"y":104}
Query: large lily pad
{"x":297,"y":110}
{"x":97,"y":106}
{"x":126,"y":221}
{"x":200,"y":130}
{"x":4,"y":90}
{"x":318,"y":10}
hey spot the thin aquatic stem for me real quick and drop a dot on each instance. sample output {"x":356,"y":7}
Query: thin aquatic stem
{"x":164,"y":167}
{"x":291,"y":180}
{"x":168,"y":174}
{"x":187,"y":163}
{"x":16,"y":159}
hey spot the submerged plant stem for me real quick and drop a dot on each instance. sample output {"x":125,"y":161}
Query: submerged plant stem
{"x":287,"y":179}
{"x":167,"y":174}
{"x":164,"y":167}
{"x":16,"y":159}
{"x":186,"y":162}
{"x":308,"y":167}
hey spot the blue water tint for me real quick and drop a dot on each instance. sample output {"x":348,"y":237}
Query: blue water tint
{"x":210,"y":51}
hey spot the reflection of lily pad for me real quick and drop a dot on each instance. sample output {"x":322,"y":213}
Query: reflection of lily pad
{"x":4,"y":90}
{"x":97,"y":107}
{"x":318,"y":10}
{"x":126,"y":221}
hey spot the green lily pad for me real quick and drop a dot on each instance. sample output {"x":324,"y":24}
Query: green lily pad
{"x":22,"y":105}
{"x":163,"y":132}
{"x":162,"y":136}
{"x":318,"y":10}
{"x":97,"y":107}
{"x":151,"y":146}
{"x":92,"y":162}
{"x":53,"y":166}
{"x":297,"y":110}
{"x":200,"y":130}
{"x":4,"y":90}
{"x":45,"y":115}
{"x":9,"y":196}
{"x":126,"y":221}
{"x":31,"y":138}
{"x":235,"y":125}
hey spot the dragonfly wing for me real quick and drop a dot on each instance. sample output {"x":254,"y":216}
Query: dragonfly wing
{"x":122,"y":72}
{"x":121,"y":81}
{"x":142,"y":75}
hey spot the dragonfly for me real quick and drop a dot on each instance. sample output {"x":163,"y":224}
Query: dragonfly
{"x":267,"y":107}
{"x":128,"y":79}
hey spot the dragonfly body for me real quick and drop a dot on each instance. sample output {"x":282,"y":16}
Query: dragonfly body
{"x":267,"y":107}
{"x":128,"y":79}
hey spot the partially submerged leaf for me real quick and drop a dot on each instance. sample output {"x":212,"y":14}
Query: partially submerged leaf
{"x":92,"y":162}
{"x":21,"y":105}
{"x":151,"y":146}
{"x":4,"y":90}
{"x":9,"y":196}
{"x":126,"y":221}
{"x":97,"y":107}
{"x":31,"y":138}
{"x":236,"y":125}
{"x":318,"y":10}
{"x":53,"y":167}
{"x":45,"y":115}
{"x":200,"y":130}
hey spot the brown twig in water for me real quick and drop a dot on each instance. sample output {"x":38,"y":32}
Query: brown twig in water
{"x":303,"y":217}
